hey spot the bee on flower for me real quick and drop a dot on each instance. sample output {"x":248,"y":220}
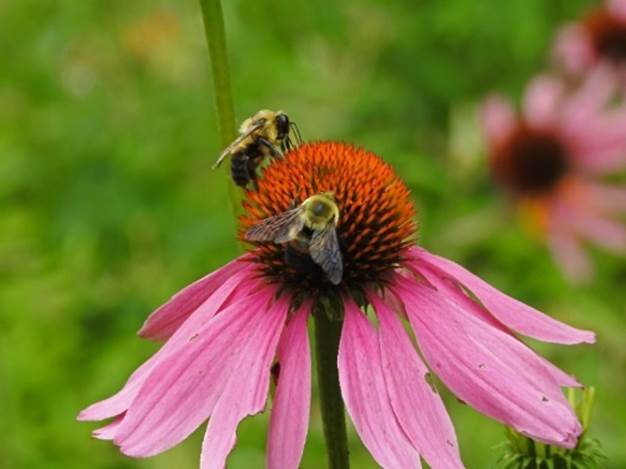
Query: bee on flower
{"x":224,"y":333}
{"x":264,"y":134}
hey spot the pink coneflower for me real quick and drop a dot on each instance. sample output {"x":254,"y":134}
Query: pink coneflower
{"x":551,"y":159}
{"x":225,"y":332}
{"x":598,"y":38}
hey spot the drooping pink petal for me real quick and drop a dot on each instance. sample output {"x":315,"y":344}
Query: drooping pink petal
{"x":563,"y":379}
{"x":417,"y":405}
{"x":364,"y":392}
{"x":582,"y":109}
{"x":183,"y":388}
{"x":498,"y":120}
{"x":569,"y":254}
{"x":599,"y":230}
{"x":601,"y":146}
{"x":542,"y":102}
{"x":512,"y":313}
{"x":163,"y":322}
{"x":573,"y":49}
{"x":289,"y":421}
{"x":601,"y":162}
{"x":122,"y":400}
{"x":246,"y":389}
{"x":606,"y":198}
{"x":109,"y":431}
{"x":119,"y":402}
{"x":453,"y":293}
{"x":487,"y":368}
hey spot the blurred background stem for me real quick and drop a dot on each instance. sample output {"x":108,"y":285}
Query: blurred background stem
{"x":216,"y":39}
{"x":327,"y":335}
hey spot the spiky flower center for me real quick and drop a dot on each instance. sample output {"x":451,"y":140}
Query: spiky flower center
{"x":531,"y":162}
{"x":376,"y":216}
{"x":608,"y":36}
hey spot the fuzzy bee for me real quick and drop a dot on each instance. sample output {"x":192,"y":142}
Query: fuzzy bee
{"x":267,"y":133}
{"x":307,"y":229}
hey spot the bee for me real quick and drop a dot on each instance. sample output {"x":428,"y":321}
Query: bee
{"x":308,"y":229}
{"x":267,"y":133}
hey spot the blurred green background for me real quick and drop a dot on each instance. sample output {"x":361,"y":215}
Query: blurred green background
{"x":108,"y":204}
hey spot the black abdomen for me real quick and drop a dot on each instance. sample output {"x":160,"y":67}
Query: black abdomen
{"x":297,"y":256}
{"x":239,"y":169}
{"x":243,"y":165}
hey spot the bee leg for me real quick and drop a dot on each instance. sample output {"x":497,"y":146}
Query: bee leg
{"x":266,"y":143}
{"x":287,"y":145}
{"x":296,"y":132}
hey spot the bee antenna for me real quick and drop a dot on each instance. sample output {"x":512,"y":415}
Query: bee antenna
{"x":296,"y":130}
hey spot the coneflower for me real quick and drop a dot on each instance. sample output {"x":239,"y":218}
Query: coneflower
{"x":225,"y":333}
{"x":552,"y":158}
{"x":599,"y":38}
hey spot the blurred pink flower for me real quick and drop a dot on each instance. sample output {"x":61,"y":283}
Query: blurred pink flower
{"x":598,"y":38}
{"x":224,"y":332}
{"x":551,"y":159}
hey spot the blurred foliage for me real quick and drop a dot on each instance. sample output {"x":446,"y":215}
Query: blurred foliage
{"x":108,"y":204}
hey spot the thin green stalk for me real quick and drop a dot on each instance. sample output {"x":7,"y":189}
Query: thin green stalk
{"x":216,"y":40}
{"x":327,"y":335}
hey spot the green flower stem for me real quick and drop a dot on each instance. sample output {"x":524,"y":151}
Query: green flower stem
{"x":327,"y":334}
{"x":216,"y":40}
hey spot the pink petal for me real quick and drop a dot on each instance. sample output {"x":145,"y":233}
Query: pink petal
{"x":601,"y":147}
{"x":582,"y":109}
{"x":163,"y":322}
{"x":563,"y":379}
{"x":365,"y":394}
{"x":512,"y":313}
{"x":569,"y":254}
{"x":600,"y":230}
{"x":121,"y":401}
{"x":246,"y":391}
{"x":601,"y":162}
{"x":289,"y":422}
{"x":183,"y":388}
{"x":417,"y":406}
{"x":453,"y":292}
{"x":487,"y":368}
{"x":498,"y":120}
{"x":578,"y":217}
{"x":541,"y":102}
{"x":606,"y":198}
{"x":618,"y":8}
{"x":109,"y":431}
{"x":573,"y":49}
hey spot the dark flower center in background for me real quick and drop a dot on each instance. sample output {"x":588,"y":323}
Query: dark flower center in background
{"x":530,"y":162}
{"x":608,"y":35}
{"x":376,"y":221}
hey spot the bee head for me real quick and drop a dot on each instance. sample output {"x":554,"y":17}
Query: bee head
{"x":282,"y":124}
{"x":321,"y":209}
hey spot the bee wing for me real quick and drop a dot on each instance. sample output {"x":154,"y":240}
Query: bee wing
{"x":279,"y":229}
{"x":325,"y":252}
{"x":229,"y":149}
